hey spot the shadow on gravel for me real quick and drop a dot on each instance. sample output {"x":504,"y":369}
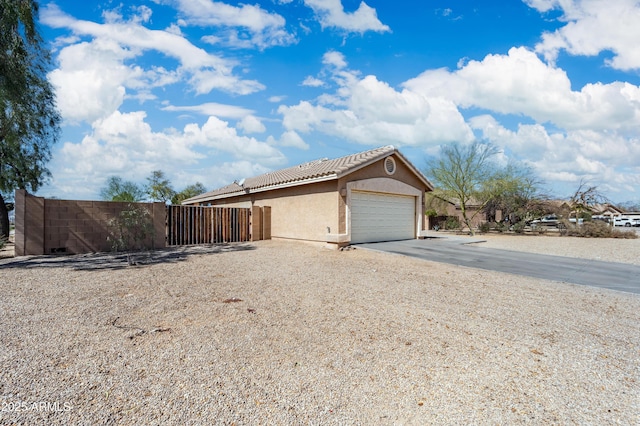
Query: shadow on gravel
{"x":113,"y":261}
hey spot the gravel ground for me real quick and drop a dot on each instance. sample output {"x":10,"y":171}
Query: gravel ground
{"x":289,"y":333}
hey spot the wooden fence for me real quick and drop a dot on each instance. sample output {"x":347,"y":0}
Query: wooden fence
{"x":188,"y":225}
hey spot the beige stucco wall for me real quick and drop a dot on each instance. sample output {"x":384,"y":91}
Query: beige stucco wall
{"x":304,"y":215}
{"x":301,"y":212}
{"x":319,"y":211}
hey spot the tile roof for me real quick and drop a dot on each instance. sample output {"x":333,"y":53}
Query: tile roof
{"x":297,"y":175}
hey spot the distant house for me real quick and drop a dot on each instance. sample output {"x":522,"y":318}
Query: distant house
{"x":442,"y":209}
{"x":605,"y":210}
{"x":376,"y":195}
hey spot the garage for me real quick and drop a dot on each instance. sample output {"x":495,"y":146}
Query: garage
{"x":374,"y":195}
{"x":382,"y":217}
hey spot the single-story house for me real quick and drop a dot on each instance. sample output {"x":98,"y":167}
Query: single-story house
{"x":376,"y":195}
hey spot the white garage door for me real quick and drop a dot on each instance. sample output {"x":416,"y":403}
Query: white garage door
{"x":382,"y":217}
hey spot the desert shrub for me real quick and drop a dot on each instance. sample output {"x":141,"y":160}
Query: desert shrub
{"x":131,"y":229}
{"x":452,"y":222}
{"x":596,"y":229}
{"x":518,"y":227}
{"x":484,"y":227}
{"x":500,"y":227}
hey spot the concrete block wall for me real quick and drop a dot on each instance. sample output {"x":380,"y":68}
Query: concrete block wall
{"x":47,"y":226}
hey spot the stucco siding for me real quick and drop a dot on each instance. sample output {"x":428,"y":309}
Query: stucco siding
{"x":402,"y":173}
{"x":307,"y":212}
{"x":303,"y":212}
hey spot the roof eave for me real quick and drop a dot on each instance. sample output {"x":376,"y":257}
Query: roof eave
{"x":248,"y":191}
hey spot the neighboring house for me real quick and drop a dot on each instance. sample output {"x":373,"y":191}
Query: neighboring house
{"x":448,"y":208}
{"x":606,"y":210}
{"x":376,"y":195}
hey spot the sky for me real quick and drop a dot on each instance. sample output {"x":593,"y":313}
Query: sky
{"x":216,"y":91}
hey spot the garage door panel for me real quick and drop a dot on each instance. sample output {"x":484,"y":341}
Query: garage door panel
{"x":381,"y":217}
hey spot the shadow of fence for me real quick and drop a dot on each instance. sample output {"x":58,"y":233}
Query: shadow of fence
{"x":114,"y":261}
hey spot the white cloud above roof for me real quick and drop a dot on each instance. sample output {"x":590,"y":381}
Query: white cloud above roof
{"x":367,"y":110}
{"x":593,"y":27}
{"x":128,"y":147}
{"x":520,"y":83}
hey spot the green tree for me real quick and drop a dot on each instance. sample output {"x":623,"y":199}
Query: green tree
{"x":516,"y":191}
{"x":159,"y":188}
{"x":464,"y":174}
{"x":29,"y":119}
{"x":131,"y":229}
{"x":188,"y":192}
{"x":117,"y":189}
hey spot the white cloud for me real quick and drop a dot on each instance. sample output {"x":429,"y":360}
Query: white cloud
{"x":331,"y":14}
{"x":118,"y":40}
{"x":292,"y":139}
{"x":592,"y":27}
{"x":251,"y":124}
{"x":598,"y":156}
{"x":213,"y":108}
{"x":541,"y":5}
{"x":124,"y":144}
{"x":217,"y":134}
{"x":520,"y":83}
{"x":368,"y":111}
{"x":244,"y":26}
{"x":90,"y":82}
{"x":311,"y":81}
{"x":335,"y":59}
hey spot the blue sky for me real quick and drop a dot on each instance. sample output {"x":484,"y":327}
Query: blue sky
{"x":216,"y":91}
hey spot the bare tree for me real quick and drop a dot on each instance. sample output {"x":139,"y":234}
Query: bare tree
{"x":585,"y":198}
{"x":463,"y":174}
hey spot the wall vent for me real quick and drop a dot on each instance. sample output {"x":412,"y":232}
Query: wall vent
{"x":389,"y":165}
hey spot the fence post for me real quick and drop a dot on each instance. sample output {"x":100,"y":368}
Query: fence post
{"x":266,"y":222}
{"x":256,"y":223}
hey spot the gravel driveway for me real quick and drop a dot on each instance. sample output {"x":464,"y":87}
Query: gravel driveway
{"x":289,"y":333}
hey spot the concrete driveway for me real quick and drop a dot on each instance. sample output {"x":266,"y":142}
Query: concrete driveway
{"x":613,"y":276}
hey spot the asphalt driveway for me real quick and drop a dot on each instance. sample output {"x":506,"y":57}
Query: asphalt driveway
{"x":610,"y":275}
